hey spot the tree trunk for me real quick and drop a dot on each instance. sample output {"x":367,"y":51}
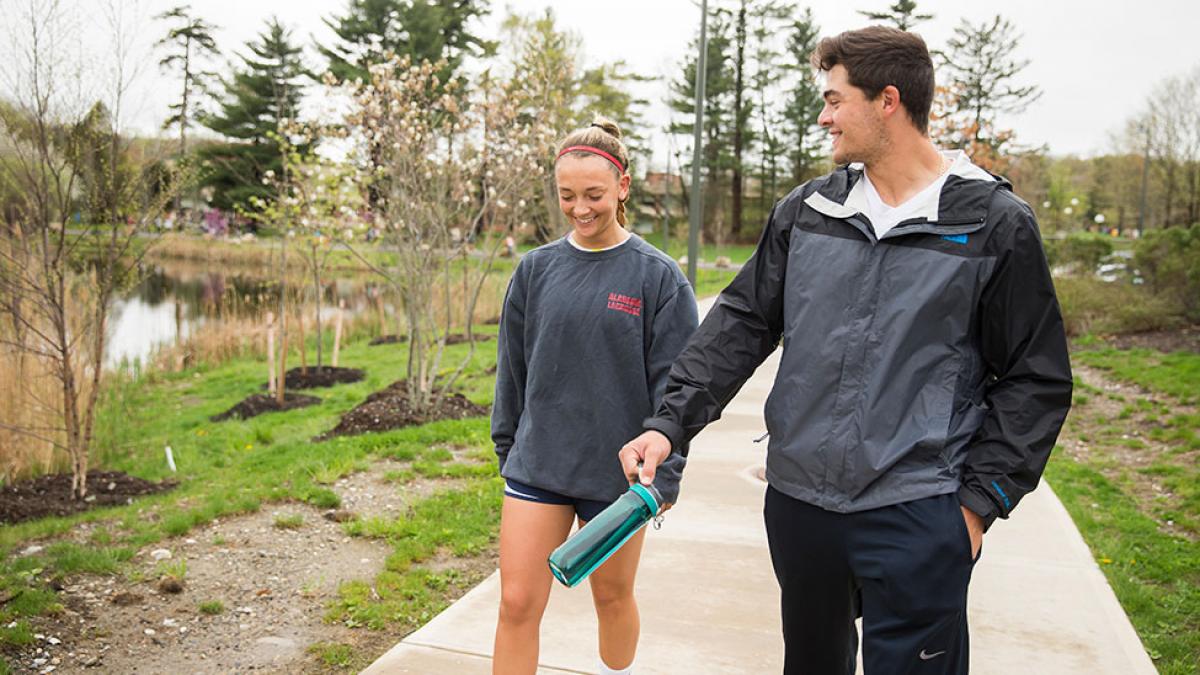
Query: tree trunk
{"x":281,"y":380}
{"x":337,"y":333}
{"x":317,"y":293}
{"x":271,"y":353}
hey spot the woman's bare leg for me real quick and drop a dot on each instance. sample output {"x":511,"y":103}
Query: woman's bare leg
{"x":529,"y":531}
{"x":616,"y":609}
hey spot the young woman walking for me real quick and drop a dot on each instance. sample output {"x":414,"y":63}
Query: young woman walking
{"x":590,"y":327}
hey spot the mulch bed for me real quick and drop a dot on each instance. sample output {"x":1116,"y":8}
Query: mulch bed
{"x":391,"y":409}
{"x":51,"y":495}
{"x":1185,"y":339}
{"x":459,"y":338}
{"x":387,"y":340}
{"x":453,"y":339}
{"x":325,"y":376}
{"x":258,"y":404}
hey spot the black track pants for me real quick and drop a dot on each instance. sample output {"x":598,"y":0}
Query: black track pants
{"x":903,"y":568}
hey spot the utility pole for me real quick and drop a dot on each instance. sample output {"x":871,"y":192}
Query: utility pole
{"x":1145,"y":179}
{"x":694,"y":210}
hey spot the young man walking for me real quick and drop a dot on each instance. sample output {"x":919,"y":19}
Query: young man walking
{"x":923,"y":381}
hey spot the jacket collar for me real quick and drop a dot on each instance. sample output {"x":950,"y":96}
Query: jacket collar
{"x":963,"y":199}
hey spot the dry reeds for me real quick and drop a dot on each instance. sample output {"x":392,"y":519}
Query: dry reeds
{"x":32,"y":428}
{"x":176,"y":247}
{"x":29,"y":389}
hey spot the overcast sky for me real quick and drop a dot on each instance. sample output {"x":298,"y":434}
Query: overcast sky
{"x":1097,"y":63}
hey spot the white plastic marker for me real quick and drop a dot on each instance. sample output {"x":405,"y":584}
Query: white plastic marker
{"x":170,"y":459}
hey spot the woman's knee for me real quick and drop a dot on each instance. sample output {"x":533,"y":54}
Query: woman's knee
{"x":518,"y":605}
{"x":612,"y":596}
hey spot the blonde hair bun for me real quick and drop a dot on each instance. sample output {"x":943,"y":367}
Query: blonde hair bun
{"x":608,"y":126}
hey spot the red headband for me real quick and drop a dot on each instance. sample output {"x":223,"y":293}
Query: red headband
{"x":594,"y":151}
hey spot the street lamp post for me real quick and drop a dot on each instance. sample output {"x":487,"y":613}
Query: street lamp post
{"x":694,"y":209}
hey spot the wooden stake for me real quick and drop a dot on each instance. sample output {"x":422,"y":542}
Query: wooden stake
{"x":271,"y":353}
{"x":302,"y":344}
{"x":382,"y":313}
{"x":283,"y":347}
{"x":337,"y":332}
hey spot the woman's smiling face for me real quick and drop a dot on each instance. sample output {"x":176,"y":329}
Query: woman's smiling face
{"x":588,"y":194}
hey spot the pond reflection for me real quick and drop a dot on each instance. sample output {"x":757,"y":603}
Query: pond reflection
{"x":175,"y":301}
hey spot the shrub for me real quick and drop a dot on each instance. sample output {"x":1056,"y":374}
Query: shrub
{"x":1093,"y":306}
{"x":1084,"y":250}
{"x":1169,"y":259}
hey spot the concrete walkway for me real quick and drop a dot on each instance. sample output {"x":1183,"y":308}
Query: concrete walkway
{"x":709,"y":603}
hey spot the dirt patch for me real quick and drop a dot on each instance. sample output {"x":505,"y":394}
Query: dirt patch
{"x":453,"y":339}
{"x":273,"y":586}
{"x":1180,"y":340}
{"x":313,"y":378}
{"x":258,"y":404}
{"x":1111,"y":433}
{"x":51,"y":495}
{"x":391,"y":408}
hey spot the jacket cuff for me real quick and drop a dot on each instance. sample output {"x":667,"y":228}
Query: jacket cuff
{"x":667,"y":477}
{"x":671,"y":430}
{"x":502,"y":456}
{"x":979,"y":504}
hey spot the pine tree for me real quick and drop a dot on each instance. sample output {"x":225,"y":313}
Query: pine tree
{"x":768,"y":21}
{"x":257,"y":102}
{"x":804,"y":101}
{"x":190,"y":44}
{"x":981,"y":72}
{"x":718,"y":113}
{"x":425,"y":30}
{"x":902,"y":14}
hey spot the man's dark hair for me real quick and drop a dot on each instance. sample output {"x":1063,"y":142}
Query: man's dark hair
{"x":878,"y":56}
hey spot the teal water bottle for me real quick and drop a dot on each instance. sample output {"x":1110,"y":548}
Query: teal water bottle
{"x":596,"y":541}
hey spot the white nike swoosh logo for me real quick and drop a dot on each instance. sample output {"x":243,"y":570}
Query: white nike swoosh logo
{"x":925,"y":657}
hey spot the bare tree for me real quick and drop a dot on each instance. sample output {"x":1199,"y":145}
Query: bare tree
{"x":57,"y":282}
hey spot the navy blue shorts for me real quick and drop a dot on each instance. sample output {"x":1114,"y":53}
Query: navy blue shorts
{"x":586,"y":509}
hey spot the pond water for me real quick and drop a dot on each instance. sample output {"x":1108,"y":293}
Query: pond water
{"x":174,"y":301}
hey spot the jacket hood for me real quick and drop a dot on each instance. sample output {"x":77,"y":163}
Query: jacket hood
{"x":964,"y":198}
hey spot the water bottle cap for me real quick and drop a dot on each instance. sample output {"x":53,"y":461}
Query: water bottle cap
{"x":649,"y":494}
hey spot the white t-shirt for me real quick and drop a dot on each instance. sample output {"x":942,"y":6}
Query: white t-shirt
{"x":571,"y":240}
{"x":884,"y":217}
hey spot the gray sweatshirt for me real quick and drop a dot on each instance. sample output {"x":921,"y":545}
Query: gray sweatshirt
{"x":586,"y":342}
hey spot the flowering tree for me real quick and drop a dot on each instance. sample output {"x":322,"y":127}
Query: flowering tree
{"x":439,"y":160}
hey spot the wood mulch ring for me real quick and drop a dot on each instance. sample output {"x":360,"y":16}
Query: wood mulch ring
{"x":313,"y":378}
{"x":51,"y":495}
{"x":257,"y":404}
{"x":452,"y":339}
{"x":391,"y":408}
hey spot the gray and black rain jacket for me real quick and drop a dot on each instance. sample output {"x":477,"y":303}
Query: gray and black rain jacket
{"x":930,"y":361}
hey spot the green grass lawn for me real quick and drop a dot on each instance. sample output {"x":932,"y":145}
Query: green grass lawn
{"x":1135,"y":493}
{"x":234,"y":467}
